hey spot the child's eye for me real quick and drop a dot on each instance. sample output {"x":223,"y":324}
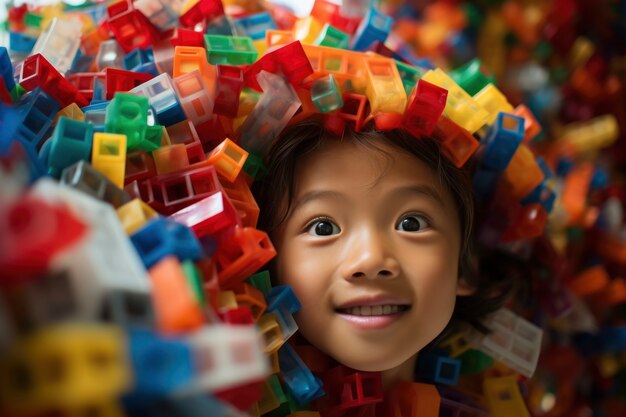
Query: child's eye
{"x":412,"y":223}
{"x":322,"y":227}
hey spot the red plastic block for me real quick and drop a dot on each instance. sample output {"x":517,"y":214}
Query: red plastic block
{"x":5,"y":96}
{"x":229,"y":85}
{"x":426,"y":105}
{"x":239,"y":316}
{"x":31,"y":233}
{"x":139,"y":166}
{"x":129,"y":26}
{"x":326,"y":11}
{"x":349,"y":389}
{"x":187,"y":37}
{"x":530,"y":222}
{"x":185,"y":133}
{"x":36,"y":72}
{"x":240,"y":195}
{"x":117,"y":80}
{"x":208,"y":216}
{"x":240,"y":254}
{"x":354,"y":110}
{"x":290,"y":60}
{"x":85,"y":82}
{"x":242,"y":397}
{"x":203,"y":10}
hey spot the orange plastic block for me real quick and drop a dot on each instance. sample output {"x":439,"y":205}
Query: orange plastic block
{"x":348,"y":68}
{"x":275,"y":37}
{"x":270,"y":330}
{"x":193,"y":58}
{"x":228,"y":159}
{"x":385,"y":90}
{"x":523,"y":174}
{"x":195,"y":96}
{"x":504,"y":397}
{"x":241,"y":254}
{"x":175,"y":305}
{"x":307,"y":107}
{"x":170,"y":158}
{"x":274,"y":364}
{"x":457,"y":144}
{"x":412,"y":399}
{"x":108,"y":156}
{"x":575,"y":189}
{"x":590,"y":281}
{"x":531,"y":126}
{"x":354,"y":110}
{"x":615,"y":293}
{"x":240,"y":195}
{"x":185,"y":133}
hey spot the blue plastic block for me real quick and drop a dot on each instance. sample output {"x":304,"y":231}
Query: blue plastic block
{"x":162,"y":237}
{"x":600,"y":179}
{"x":502,"y":140}
{"x":255,"y":25}
{"x":282,"y":296}
{"x":299,"y":379}
{"x":70,"y":142}
{"x":147,"y":68}
{"x":136,"y":57}
{"x":435,"y":367}
{"x":564,"y":165}
{"x":375,"y":26}
{"x":6,"y":69}
{"x":543,"y":195}
{"x":171,"y":112}
{"x":160,"y":365}
{"x":9,"y":123}
{"x":21,"y":43}
{"x":37,"y":111}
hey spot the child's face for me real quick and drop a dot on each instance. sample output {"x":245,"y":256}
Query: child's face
{"x":371,"y":249}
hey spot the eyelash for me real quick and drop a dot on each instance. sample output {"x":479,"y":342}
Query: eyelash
{"x":422,"y":216}
{"x":317,"y":220}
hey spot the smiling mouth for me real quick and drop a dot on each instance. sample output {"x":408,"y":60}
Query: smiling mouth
{"x":380,"y":310}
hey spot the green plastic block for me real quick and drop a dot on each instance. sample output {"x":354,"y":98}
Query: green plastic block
{"x":333,"y":37}
{"x":194,"y":279}
{"x":255,"y":167}
{"x":472,"y":77}
{"x":261,"y":281}
{"x":152,"y":139}
{"x":128,"y":114}
{"x":410,"y":75}
{"x":33,"y":20}
{"x":277,"y":388}
{"x":17,"y":92}
{"x":326,"y":94}
{"x":474,"y":361}
{"x":231,"y":50}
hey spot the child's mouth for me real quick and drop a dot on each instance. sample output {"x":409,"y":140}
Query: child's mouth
{"x":373,"y":317}
{"x":379,"y":310}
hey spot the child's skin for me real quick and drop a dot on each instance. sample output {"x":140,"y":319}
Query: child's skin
{"x":370,"y":229}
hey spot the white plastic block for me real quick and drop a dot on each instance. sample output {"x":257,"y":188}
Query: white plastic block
{"x":159,"y":91}
{"x":59,"y":43}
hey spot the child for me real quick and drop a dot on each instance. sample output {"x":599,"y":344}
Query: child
{"x":372,"y":232}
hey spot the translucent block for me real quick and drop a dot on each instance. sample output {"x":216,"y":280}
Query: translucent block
{"x":410,"y":75}
{"x":162,"y":99}
{"x":502,"y":140}
{"x":591,"y":135}
{"x":134,"y":215}
{"x":104,"y":260}
{"x":85,"y":178}
{"x":457,"y":144}
{"x":110,"y":55}
{"x":109,"y":156}
{"x":271,"y":332}
{"x":59,"y":42}
{"x":492,"y":100}
{"x":426,"y":103}
{"x":375,"y":26}
{"x":208,"y":216}
{"x":326,"y":94}
{"x":271,"y":114}
{"x":228,"y":159}
{"x":514,"y":341}
{"x":303,"y":385}
{"x":195,"y":97}
{"x":472,"y":77}
{"x":278,"y":37}
{"x":188,"y":59}
{"x":225,"y":356}
{"x":385,"y":90}
{"x":256,"y":24}
{"x":170,"y":158}
{"x":461,"y":108}
{"x":230,"y":50}
{"x":504,"y":397}
{"x":333,"y":37}
{"x":522,"y":175}
{"x":162,"y":13}
{"x":307,"y":29}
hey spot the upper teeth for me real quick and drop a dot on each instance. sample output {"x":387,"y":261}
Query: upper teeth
{"x":373,"y":310}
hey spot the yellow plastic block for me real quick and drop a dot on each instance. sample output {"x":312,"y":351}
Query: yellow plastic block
{"x":591,"y":135}
{"x":171,"y":158}
{"x":492,"y":49}
{"x":66,"y":366}
{"x":492,"y":100}
{"x":108,"y":156}
{"x":523,"y":174}
{"x":385,"y":90}
{"x":228,"y":159}
{"x":274,"y":364}
{"x":227,"y":299}
{"x":504,"y":397}
{"x":270,"y":329}
{"x":72,"y":111}
{"x":581,"y":51}
{"x":165,"y":137}
{"x":461,"y":108}
{"x":261,"y":47}
{"x":307,"y":29}
{"x":134,"y":214}
{"x":456,"y":344}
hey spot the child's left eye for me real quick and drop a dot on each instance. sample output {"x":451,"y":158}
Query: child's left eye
{"x":323,"y":227}
{"x":412,"y":223}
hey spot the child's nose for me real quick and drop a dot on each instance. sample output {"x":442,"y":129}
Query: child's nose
{"x":369,"y":256}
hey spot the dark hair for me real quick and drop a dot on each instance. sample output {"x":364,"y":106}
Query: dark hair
{"x":277,"y":187}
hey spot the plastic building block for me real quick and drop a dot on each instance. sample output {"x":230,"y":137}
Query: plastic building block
{"x":171,"y":158}
{"x":190,"y":58}
{"x":130,"y":28}
{"x":242,"y":397}
{"x":531,"y":125}
{"x":456,"y":344}
{"x":225,"y":356}
{"x":109,"y":55}
{"x":6,"y":69}
{"x":413,"y":399}
{"x":187,"y":37}
{"x":119,"y":80}
{"x":435,"y":367}
{"x":522,"y":175}
{"x":84,"y":177}
{"x":71,"y":141}
{"x":302,"y":384}
{"x":195,"y":97}
{"x":201,"y":10}
{"x":274,"y":38}
{"x":161,"y":365}
{"x":242,"y":252}
{"x":269,"y":400}
{"x":240,"y":195}
{"x":375,"y":26}
{"x":384,"y":86}
{"x":10,"y":121}
{"x":109,"y":156}
{"x":502,"y":141}
{"x":162,"y":14}
{"x":348,"y":389}
{"x":209,"y":215}
{"x":228,"y":159}
{"x":261,"y":281}
{"x":589,"y":281}
{"x":282,"y":296}
{"x":230,"y":50}
{"x":492,"y":100}
{"x":426,"y":104}
{"x":457,"y":144}
{"x":254,"y":167}
{"x":332,"y":37}
{"x":513,"y":341}
{"x":591,"y":135}
{"x":461,"y":108}
{"x":277,"y":105}
{"x":504,"y":397}
{"x":36,"y":114}
{"x":134,"y":215}
{"x":290,"y":60}
{"x":162,"y":99}
{"x":139,"y":166}
{"x":20,"y":42}
{"x":229,"y":85}
{"x":162,"y":237}
{"x":326,"y":94}
{"x":59,"y":43}
{"x":472,"y":76}
{"x":454,"y":405}
{"x":410,"y":75}
{"x":87,"y":84}
{"x":255,"y":25}
{"x":270,"y":329}
{"x":69,"y":350}
{"x":127,"y":114}
{"x":176,"y":307}
{"x":71,"y":112}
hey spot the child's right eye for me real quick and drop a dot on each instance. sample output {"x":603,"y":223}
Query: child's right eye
{"x":322,"y":227}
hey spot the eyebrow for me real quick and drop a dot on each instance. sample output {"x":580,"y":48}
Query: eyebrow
{"x":421,"y":190}
{"x":315,"y":195}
